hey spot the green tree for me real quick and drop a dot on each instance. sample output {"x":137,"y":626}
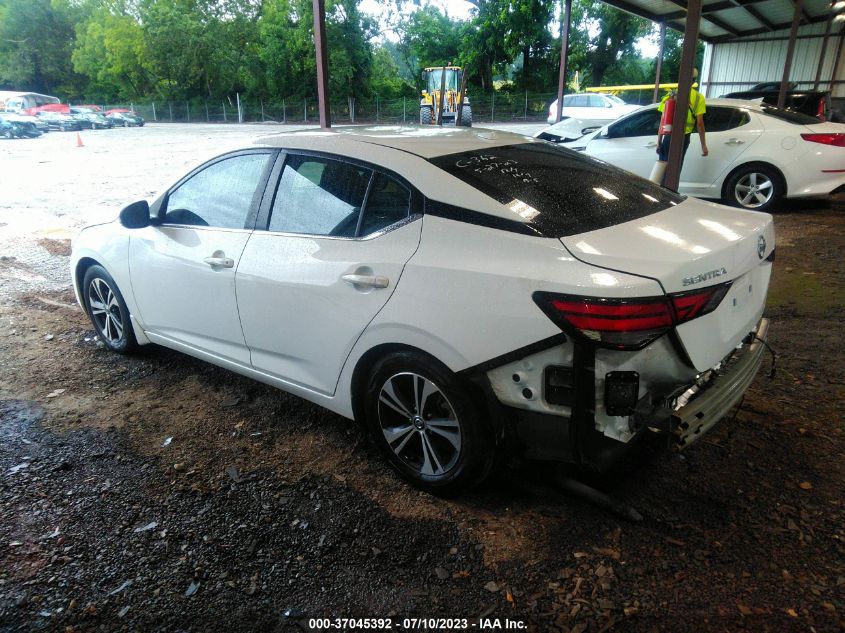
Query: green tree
{"x":617,"y":32}
{"x":36,"y":39}
{"x":111,"y":51}
{"x":386,"y":80}
{"x":672,"y":56}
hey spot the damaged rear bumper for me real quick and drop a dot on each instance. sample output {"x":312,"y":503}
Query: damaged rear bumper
{"x":722,"y":393}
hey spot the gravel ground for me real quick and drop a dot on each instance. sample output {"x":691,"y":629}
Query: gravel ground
{"x":156,"y":492}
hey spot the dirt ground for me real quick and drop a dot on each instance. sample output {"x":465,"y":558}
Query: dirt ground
{"x":157,"y":492}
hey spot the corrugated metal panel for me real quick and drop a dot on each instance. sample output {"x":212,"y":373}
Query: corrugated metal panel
{"x":738,"y":18}
{"x":817,"y":7}
{"x":777,"y":11}
{"x":739,"y":65}
{"x":807,"y":29}
{"x":657,"y":7}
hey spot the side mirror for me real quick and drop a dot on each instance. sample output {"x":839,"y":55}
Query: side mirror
{"x":136,"y":215}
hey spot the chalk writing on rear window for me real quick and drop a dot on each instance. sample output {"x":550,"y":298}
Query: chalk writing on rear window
{"x":488,"y":163}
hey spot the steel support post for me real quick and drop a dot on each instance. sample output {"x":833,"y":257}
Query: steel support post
{"x":322,"y":62}
{"x":659,"y":65}
{"x":790,"y":50}
{"x":564,"y":50}
{"x":679,"y":122}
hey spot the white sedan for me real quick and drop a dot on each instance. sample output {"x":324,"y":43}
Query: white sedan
{"x":758,"y":154}
{"x":585,"y":111}
{"x":463,"y":293}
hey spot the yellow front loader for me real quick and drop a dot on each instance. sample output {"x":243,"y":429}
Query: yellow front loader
{"x":448,"y":80}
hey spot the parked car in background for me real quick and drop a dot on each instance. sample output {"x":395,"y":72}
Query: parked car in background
{"x":588,"y":110}
{"x":39,"y":124}
{"x":84,"y":122}
{"x":11,"y":127}
{"x":90,"y":119}
{"x":59,"y":121}
{"x":612,"y":306}
{"x":125,"y":118}
{"x":759,"y":154}
{"x":813,"y":103}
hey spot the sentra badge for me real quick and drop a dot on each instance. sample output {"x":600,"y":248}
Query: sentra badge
{"x":710,"y":274}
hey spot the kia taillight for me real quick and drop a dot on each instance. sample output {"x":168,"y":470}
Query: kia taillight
{"x":820,"y":111}
{"x":830,"y":138}
{"x":628,"y":324}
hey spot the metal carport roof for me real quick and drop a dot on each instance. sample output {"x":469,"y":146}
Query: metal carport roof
{"x":723,"y":20}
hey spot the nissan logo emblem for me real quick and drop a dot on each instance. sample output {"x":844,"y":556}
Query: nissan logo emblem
{"x":761,"y":246}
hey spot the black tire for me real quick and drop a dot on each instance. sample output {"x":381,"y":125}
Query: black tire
{"x":426,"y":115}
{"x":455,"y":453}
{"x":466,"y":116}
{"x":113,"y":325}
{"x":754,"y":186}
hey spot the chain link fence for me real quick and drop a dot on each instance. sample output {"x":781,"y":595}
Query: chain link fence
{"x":486,"y":108}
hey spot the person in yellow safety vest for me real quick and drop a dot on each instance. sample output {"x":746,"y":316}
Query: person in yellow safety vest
{"x":695,"y":120}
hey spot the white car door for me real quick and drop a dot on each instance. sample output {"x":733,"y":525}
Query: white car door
{"x":183,"y":267}
{"x":730,"y":132}
{"x":580,"y":108}
{"x":630,"y":143}
{"x":338,"y":237}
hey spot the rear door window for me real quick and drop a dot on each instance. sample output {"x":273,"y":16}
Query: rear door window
{"x":555,"y":191}
{"x":720,"y":119}
{"x":388,"y":202}
{"x":596,"y":101}
{"x":319,"y":196}
{"x":581,"y":101}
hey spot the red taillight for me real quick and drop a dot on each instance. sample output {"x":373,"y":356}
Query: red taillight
{"x":820,"y":112}
{"x":628,"y":324}
{"x":832,"y":138}
{"x":588,"y":314}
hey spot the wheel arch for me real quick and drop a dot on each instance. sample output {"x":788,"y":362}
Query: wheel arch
{"x":365,"y":365}
{"x":81,"y":267}
{"x":79,"y":271}
{"x":775,"y":168}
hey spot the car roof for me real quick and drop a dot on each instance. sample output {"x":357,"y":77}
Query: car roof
{"x":423,"y":141}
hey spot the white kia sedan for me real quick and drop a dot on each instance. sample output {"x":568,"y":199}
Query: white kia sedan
{"x":463,"y":293}
{"x":758,"y":154}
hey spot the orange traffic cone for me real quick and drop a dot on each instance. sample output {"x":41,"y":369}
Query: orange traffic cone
{"x":79,"y":142}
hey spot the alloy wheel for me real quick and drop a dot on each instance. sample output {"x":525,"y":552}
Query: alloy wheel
{"x":754,"y":190}
{"x":105,"y":310}
{"x":419,"y":423}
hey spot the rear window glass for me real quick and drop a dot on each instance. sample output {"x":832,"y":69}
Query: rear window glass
{"x":788,"y":115}
{"x":557,"y":191}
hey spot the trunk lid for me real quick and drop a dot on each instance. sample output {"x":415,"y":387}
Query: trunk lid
{"x":688,"y":247}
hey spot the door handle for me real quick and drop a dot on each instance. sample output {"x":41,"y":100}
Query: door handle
{"x":734,"y":141}
{"x":369,"y":281}
{"x":220,"y":262}
{"x":651,"y":144}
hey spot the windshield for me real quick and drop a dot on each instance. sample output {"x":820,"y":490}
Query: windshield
{"x":557,"y":191}
{"x":451,"y":79}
